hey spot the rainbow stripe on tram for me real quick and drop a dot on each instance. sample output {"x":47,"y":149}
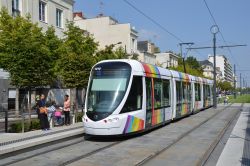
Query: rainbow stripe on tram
{"x":184,"y":77}
{"x":133,"y":124}
{"x":158,"y":117}
{"x":151,"y":70}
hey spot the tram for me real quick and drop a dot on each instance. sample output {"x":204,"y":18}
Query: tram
{"x":128,"y":96}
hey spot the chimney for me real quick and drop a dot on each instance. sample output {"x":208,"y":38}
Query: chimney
{"x":79,"y":14}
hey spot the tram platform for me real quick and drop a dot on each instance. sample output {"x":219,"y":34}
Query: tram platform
{"x":10,"y":142}
{"x":237,"y":149}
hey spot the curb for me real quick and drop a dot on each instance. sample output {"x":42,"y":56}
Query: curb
{"x":28,"y":142}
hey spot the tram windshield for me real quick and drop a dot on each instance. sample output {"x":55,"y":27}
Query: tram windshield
{"x":107,"y":88}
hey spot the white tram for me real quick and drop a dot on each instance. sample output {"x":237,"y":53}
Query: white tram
{"x":127,"y":96}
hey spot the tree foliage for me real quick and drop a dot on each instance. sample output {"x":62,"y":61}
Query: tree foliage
{"x":23,"y":52}
{"x":224,"y":85}
{"x":76,"y":57}
{"x":36,"y":59}
{"x":109,"y":53}
{"x":192,"y":67}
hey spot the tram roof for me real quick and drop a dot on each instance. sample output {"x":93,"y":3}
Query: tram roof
{"x":156,"y":71}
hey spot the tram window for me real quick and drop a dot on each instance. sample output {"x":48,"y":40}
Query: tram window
{"x":166,"y":93}
{"x":197,"y":92}
{"x":148,"y":93}
{"x":158,"y":93}
{"x":134,"y":100}
{"x":178,"y":92}
{"x":189,"y":94}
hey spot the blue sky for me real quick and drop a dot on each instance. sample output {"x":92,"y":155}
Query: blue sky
{"x":188,"y":20}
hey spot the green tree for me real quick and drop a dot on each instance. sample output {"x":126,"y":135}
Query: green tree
{"x":23,"y":52}
{"x":190,"y":69}
{"x":109,"y":53}
{"x":53,"y":44}
{"x":193,"y":63}
{"x":76,"y":57}
{"x":225,"y":85}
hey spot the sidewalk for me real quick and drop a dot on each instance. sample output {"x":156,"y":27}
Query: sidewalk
{"x":10,"y":142}
{"x":237,"y":149}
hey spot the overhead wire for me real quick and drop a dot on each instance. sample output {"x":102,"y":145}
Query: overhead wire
{"x":155,"y":22}
{"x":213,"y":18}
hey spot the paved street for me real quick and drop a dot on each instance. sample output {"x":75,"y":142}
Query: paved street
{"x":188,"y":141}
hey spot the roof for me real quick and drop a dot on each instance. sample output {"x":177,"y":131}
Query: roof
{"x":206,"y":62}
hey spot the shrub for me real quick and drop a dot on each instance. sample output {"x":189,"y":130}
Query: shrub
{"x":79,"y":117}
{"x":17,"y":127}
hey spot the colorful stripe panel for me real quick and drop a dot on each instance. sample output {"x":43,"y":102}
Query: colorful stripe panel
{"x":184,"y":110}
{"x":196,"y":106}
{"x":133,"y":124}
{"x":184,"y":76}
{"x":151,"y":70}
{"x":157,"y":117}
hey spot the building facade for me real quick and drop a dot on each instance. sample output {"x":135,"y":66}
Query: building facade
{"x":146,"y":46}
{"x":208,"y":70}
{"x":167,"y":59}
{"x":225,"y":67}
{"x":106,"y":31}
{"x":147,"y":57}
{"x":46,"y":13}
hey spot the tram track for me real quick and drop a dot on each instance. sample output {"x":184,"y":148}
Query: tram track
{"x":53,"y":147}
{"x":89,"y":154}
{"x":94,"y":147}
{"x":40,"y":150}
{"x":207,"y":154}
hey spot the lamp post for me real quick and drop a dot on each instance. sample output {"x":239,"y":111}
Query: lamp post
{"x":214,"y":30}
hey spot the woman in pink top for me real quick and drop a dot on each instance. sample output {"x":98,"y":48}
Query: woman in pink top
{"x":67,"y":109}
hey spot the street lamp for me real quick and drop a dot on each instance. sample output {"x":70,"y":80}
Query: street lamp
{"x":214,"y":30}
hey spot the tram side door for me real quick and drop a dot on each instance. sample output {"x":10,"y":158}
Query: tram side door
{"x":149,"y":103}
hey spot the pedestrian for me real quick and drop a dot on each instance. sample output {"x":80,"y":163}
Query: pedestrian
{"x":66,"y":110}
{"x":51,"y":109}
{"x":226,"y":98}
{"x":36,"y":106}
{"x":43,"y":113}
{"x":58,"y":116}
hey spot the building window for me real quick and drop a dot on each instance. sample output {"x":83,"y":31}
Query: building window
{"x":42,"y":11}
{"x":16,"y":8}
{"x":59,"y":16}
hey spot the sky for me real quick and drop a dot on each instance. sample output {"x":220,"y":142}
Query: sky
{"x":188,"y":21}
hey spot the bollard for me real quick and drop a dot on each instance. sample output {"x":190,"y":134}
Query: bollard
{"x":23,"y":123}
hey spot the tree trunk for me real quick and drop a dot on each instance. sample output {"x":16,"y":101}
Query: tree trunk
{"x":17,"y":102}
{"x":29,"y":106}
{"x":73,"y":101}
{"x":76,"y":105}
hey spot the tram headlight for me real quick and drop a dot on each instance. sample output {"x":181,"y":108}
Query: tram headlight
{"x":111,"y":120}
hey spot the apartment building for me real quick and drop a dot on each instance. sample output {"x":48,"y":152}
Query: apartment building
{"x":106,"y":31}
{"x":225,"y":67}
{"x":44,"y":12}
{"x":167,"y":59}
